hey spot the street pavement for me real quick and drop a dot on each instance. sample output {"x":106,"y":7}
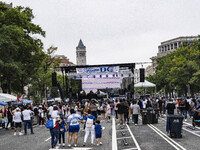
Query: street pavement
{"x":140,"y":137}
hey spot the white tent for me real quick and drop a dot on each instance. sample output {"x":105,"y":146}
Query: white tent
{"x":7,"y":97}
{"x":144,"y":84}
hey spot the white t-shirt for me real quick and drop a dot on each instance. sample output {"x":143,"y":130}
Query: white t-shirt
{"x":50,"y":110}
{"x":17,"y":116}
{"x":55,"y":114}
{"x":27,"y":114}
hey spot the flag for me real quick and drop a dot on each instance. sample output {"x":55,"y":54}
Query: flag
{"x":21,"y":98}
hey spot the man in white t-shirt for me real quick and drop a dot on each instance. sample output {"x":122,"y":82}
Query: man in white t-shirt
{"x":18,"y":121}
{"x":50,"y":110}
{"x":27,"y":120}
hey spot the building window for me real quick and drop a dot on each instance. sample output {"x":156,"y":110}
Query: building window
{"x":172,"y":46}
{"x":175,"y":45}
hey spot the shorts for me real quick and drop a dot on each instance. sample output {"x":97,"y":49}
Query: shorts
{"x":98,"y":136}
{"x":18,"y":124}
{"x":74,"y":128}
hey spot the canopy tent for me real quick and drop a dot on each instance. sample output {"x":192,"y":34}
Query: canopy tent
{"x":3,"y":103}
{"x":7,"y":97}
{"x":144,"y":84}
{"x":25,"y":101}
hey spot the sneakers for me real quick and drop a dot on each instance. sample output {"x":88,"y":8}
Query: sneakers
{"x":75,"y":145}
{"x":69,"y":145}
{"x":83,"y":144}
{"x":97,"y":144}
{"x":185,"y":120}
{"x":100,"y":143}
{"x":15,"y":133}
{"x":63,"y":145}
{"x":136,"y":124}
{"x":20,"y":133}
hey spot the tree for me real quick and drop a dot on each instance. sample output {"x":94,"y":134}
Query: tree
{"x":20,"y":51}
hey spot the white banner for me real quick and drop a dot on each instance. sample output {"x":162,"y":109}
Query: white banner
{"x":98,"y":69}
{"x":100,"y":83}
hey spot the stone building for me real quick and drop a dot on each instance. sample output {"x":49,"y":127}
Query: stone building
{"x":167,"y":47}
{"x":64,"y":61}
{"x":80,"y":54}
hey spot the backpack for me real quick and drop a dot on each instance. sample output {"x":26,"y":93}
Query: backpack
{"x":89,"y":123}
{"x":50,"y":124}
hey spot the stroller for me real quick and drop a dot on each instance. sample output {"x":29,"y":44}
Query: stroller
{"x":196,"y":118}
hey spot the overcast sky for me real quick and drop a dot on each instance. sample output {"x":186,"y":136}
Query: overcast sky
{"x":113,"y":31}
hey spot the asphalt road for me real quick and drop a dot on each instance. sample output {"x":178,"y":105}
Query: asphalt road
{"x":140,"y":137}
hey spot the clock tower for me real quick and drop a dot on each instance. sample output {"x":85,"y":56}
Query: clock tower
{"x":80,"y":54}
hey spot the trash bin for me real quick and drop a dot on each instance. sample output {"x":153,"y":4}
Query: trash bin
{"x":155,"y":115}
{"x":175,"y":126}
{"x":149,"y":115}
{"x":144,"y":116}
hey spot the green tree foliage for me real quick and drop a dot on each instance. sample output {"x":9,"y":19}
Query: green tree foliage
{"x":20,"y":51}
{"x":179,"y":70}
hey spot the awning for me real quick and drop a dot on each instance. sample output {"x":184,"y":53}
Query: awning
{"x":7,"y":97}
{"x":3,"y":103}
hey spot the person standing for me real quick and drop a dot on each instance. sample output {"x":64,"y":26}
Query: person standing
{"x":50,"y":110}
{"x":27,"y":120}
{"x":126,"y":112}
{"x":115,"y":107}
{"x":108,"y":111}
{"x":136,"y":109}
{"x":41,"y":116}
{"x":62,"y":130}
{"x":121,"y":107}
{"x":89,"y":128}
{"x":73,"y":127}
{"x":10,"y":118}
{"x":93,"y":109}
{"x":170,"y":111}
{"x":18,"y":121}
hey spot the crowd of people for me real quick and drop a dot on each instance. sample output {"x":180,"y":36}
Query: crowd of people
{"x":69,"y":116}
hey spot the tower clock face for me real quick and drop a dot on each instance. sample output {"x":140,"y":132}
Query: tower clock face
{"x":81,"y":54}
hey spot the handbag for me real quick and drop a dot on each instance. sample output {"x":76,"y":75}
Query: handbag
{"x":50,"y":124}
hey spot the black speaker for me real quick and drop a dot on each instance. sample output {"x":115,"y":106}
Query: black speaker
{"x":54,"y":79}
{"x":142,"y":74}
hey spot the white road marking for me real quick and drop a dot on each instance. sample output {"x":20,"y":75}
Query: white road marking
{"x":166,"y":136}
{"x":124,"y":137}
{"x":75,"y":148}
{"x":130,"y":148}
{"x":193,"y":132}
{"x":47,"y":139}
{"x":114,"y":135}
{"x":122,"y":130}
{"x":136,"y":143}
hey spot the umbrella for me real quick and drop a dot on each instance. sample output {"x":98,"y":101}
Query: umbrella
{"x":144,"y":84}
{"x":3,"y":103}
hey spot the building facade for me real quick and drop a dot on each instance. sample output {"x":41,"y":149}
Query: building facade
{"x":81,"y":54}
{"x":167,"y":47}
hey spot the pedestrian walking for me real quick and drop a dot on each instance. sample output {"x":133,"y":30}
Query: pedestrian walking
{"x":89,"y":128}
{"x":62,"y":130}
{"x":18,"y":121}
{"x":116,"y":109}
{"x":98,"y":132}
{"x":121,"y":107}
{"x":93,"y":109}
{"x":10,"y":118}
{"x":73,"y":127}
{"x":55,"y":132}
{"x":108,"y":111}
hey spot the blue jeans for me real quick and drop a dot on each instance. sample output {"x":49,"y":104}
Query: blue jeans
{"x":29,"y":123}
{"x":54,"y":136}
{"x":167,"y":123}
{"x":185,"y":112}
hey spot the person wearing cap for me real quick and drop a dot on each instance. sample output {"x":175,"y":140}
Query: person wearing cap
{"x":18,"y":121}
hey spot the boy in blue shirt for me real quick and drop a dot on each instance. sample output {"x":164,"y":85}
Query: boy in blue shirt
{"x":62,"y":131}
{"x":98,"y":132}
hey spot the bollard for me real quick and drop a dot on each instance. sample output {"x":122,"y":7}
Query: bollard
{"x":123,"y":133}
{"x":125,"y":142}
